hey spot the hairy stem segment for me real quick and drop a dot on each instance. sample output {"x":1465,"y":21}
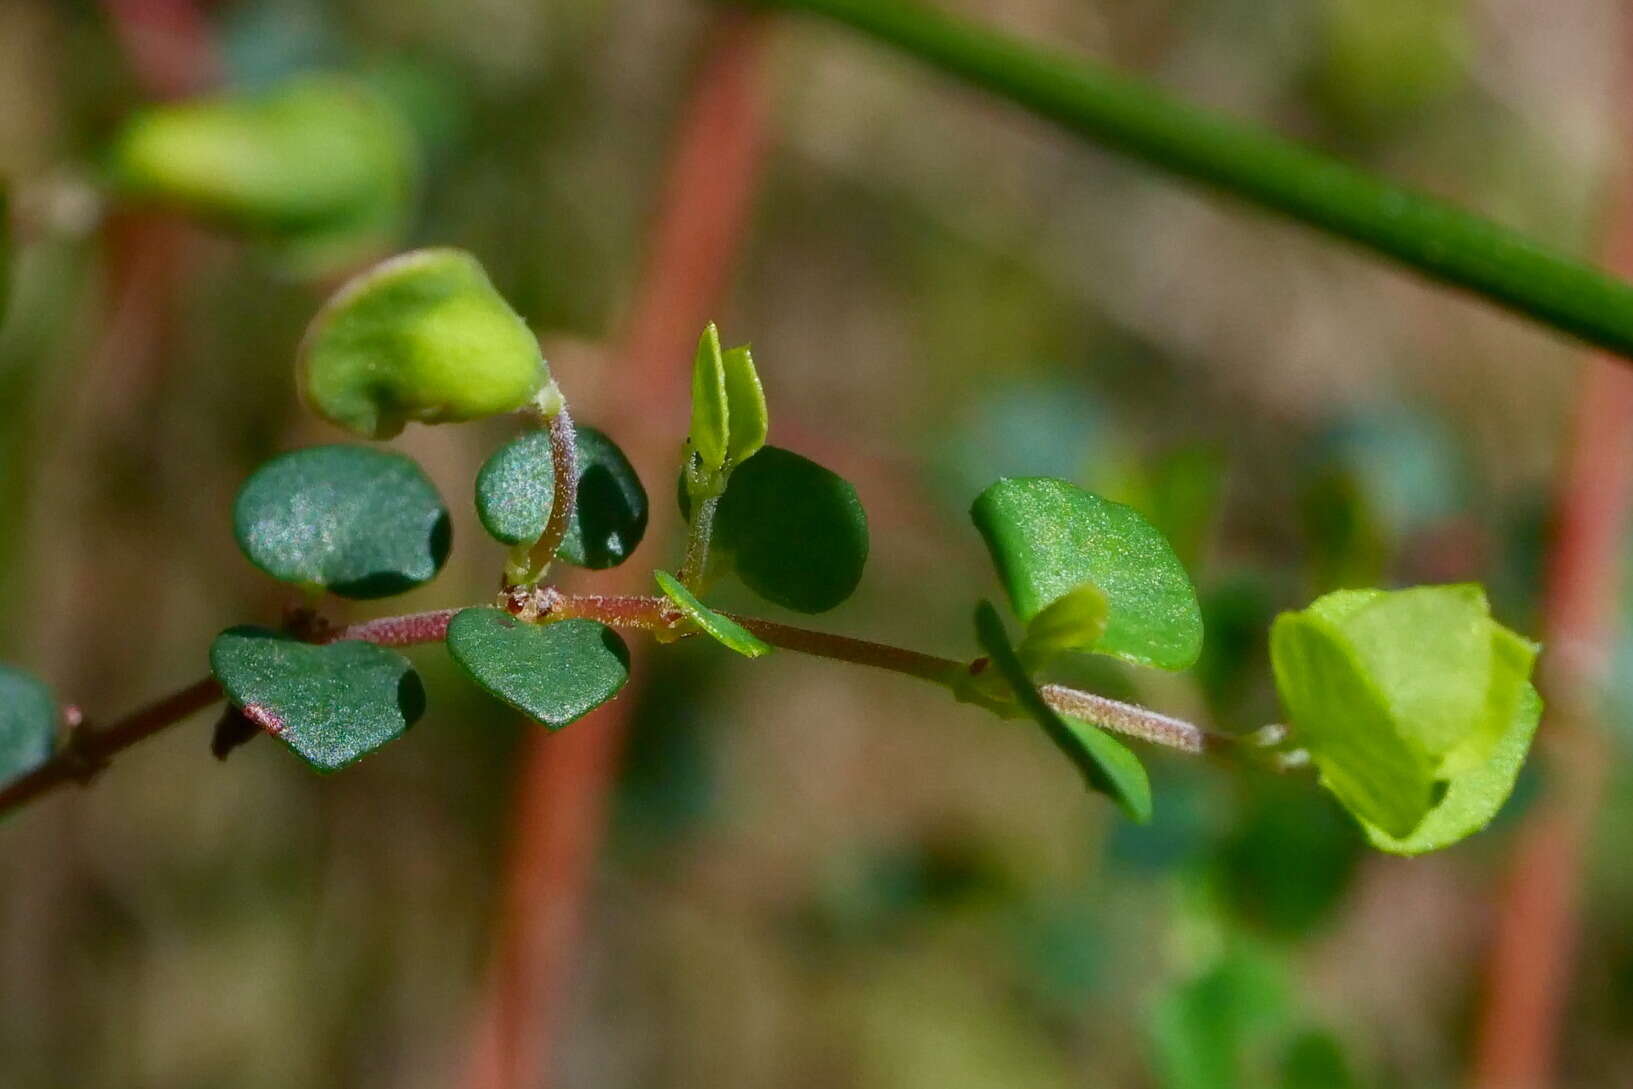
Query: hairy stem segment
{"x":1429,"y":236}
{"x":88,"y":750}
{"x":693,"y":568}
{"x":564,"y":463}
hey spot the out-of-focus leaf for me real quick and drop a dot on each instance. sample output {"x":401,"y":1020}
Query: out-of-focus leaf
{"x":515,"y":489}
{"x":29,"y":718}
{"x":321,"y":164}
{"x":1182,"y":491}
{"x":361,"y":523}
{"x":331,"y":704}
{"x":722,"y":629}
{"x":553,"y":673}
{"x":1048,"y":537}
{"x":1107,"y":765}
{"x":1314,"y":1059}
{"x":5,"y":249}
{"x":1282,"y":821}
{"x":1385,"y":61}
{"x":1392,"y":691}
{"x":610,"y":511}
{"x":794,"y":532}
{"x":1345,"y":537}
{"x":1204,"y":1031}
{"x":422,"y":337}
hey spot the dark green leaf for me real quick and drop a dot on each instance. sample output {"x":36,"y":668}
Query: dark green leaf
{"x":1106,"y":764}
{"x":422,"y":337}
{"x":1314,"y":1059}
{"x":794,"y":532}
{"x":331,"y":704}
{"x":609,"y":518}
{"x":1049,"y":537}
{"x":361,"y":523}
{"x":29,"y":718}
{"x":1284,"y":819}
{"x":722,"y":628}
{"x":515,"y":488}
{"x":1204,"y":1031}
{"x":553,"y":673}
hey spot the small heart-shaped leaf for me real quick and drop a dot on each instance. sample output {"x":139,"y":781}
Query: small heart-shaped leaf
{"x":332,"y":704}
{"x":422,"y":337}
{"x":794,"y":532}
{"x":516,"y":488}
{"x":722,"y":628}
{"x":28,"y":724}
{"x":361,"y":523}
{"x":552,"y":673}
{"x":1049,"y":537}
{"x":1106,"y":764}
{"x":610,"y":511}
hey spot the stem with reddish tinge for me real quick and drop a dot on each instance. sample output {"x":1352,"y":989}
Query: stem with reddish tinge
{"x":88,"y":750}
{"x":564,"y":464}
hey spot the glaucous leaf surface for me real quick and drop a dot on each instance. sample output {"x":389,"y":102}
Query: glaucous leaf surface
{"x":1048,"y":537}
{"x":553,"y":673}
{"x":29,"y":718}
{"x":710,"y":411}
{"x":722,"y":628}
{"x":332,"y":704}
{"x":360,"y":523}
{"x":516,"y":488}
{"x":1396,"y":692}
{"x":610,"y":511}
{"x":320,"y":162}
{"x":1106,"y":764}
{"x":794,"y":532}
{"x":421,"y":337}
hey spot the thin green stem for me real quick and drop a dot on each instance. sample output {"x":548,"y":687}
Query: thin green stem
{"x":694,"y":568}
{"x":1429,"y":236}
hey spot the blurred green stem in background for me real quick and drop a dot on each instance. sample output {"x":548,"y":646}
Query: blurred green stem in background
{"x":1432,"y":237}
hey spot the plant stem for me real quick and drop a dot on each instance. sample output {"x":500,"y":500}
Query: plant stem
{"x":1429,"y":236}
{"x":89,"y":750}
{"x":564,"y":464}
{"x":698,"y":537}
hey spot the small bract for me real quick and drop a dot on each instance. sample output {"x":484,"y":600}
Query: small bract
{"x":421,"y":337}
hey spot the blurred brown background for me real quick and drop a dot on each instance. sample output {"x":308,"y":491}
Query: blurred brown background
{"x":813,"y":875}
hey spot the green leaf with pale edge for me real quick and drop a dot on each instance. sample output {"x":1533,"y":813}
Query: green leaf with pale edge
{"x":1474,"y":797}
{"x":794,"y":532}
{"x":711,"y":425}
{"x":722,"y":628}
{"x":1396,"y":692}
{"x":746,"y":411}
{"x":553,"y":673}
{"x":610,"y":511}
{"x":28,"y":724}
{"x":515,"y":489}
{"x":1075,"y":621}
{"x":1048,"y":537}
{"x":331,"y":704}
{"x":422,"y":337}
{"x":1106,"y":764}
{"x":361,"y":523}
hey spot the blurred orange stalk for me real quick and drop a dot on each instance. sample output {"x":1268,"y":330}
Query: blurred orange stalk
{"x":565,"y":779}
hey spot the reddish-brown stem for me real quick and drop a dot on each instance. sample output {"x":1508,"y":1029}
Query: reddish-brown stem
{"x":1534,"y":942}
{"x":89,"y":749}
{"x":564,"y":466}
{"x":702,"y":215}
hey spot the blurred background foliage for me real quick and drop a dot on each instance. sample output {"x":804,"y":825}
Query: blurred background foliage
{"x":816,"y":876}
